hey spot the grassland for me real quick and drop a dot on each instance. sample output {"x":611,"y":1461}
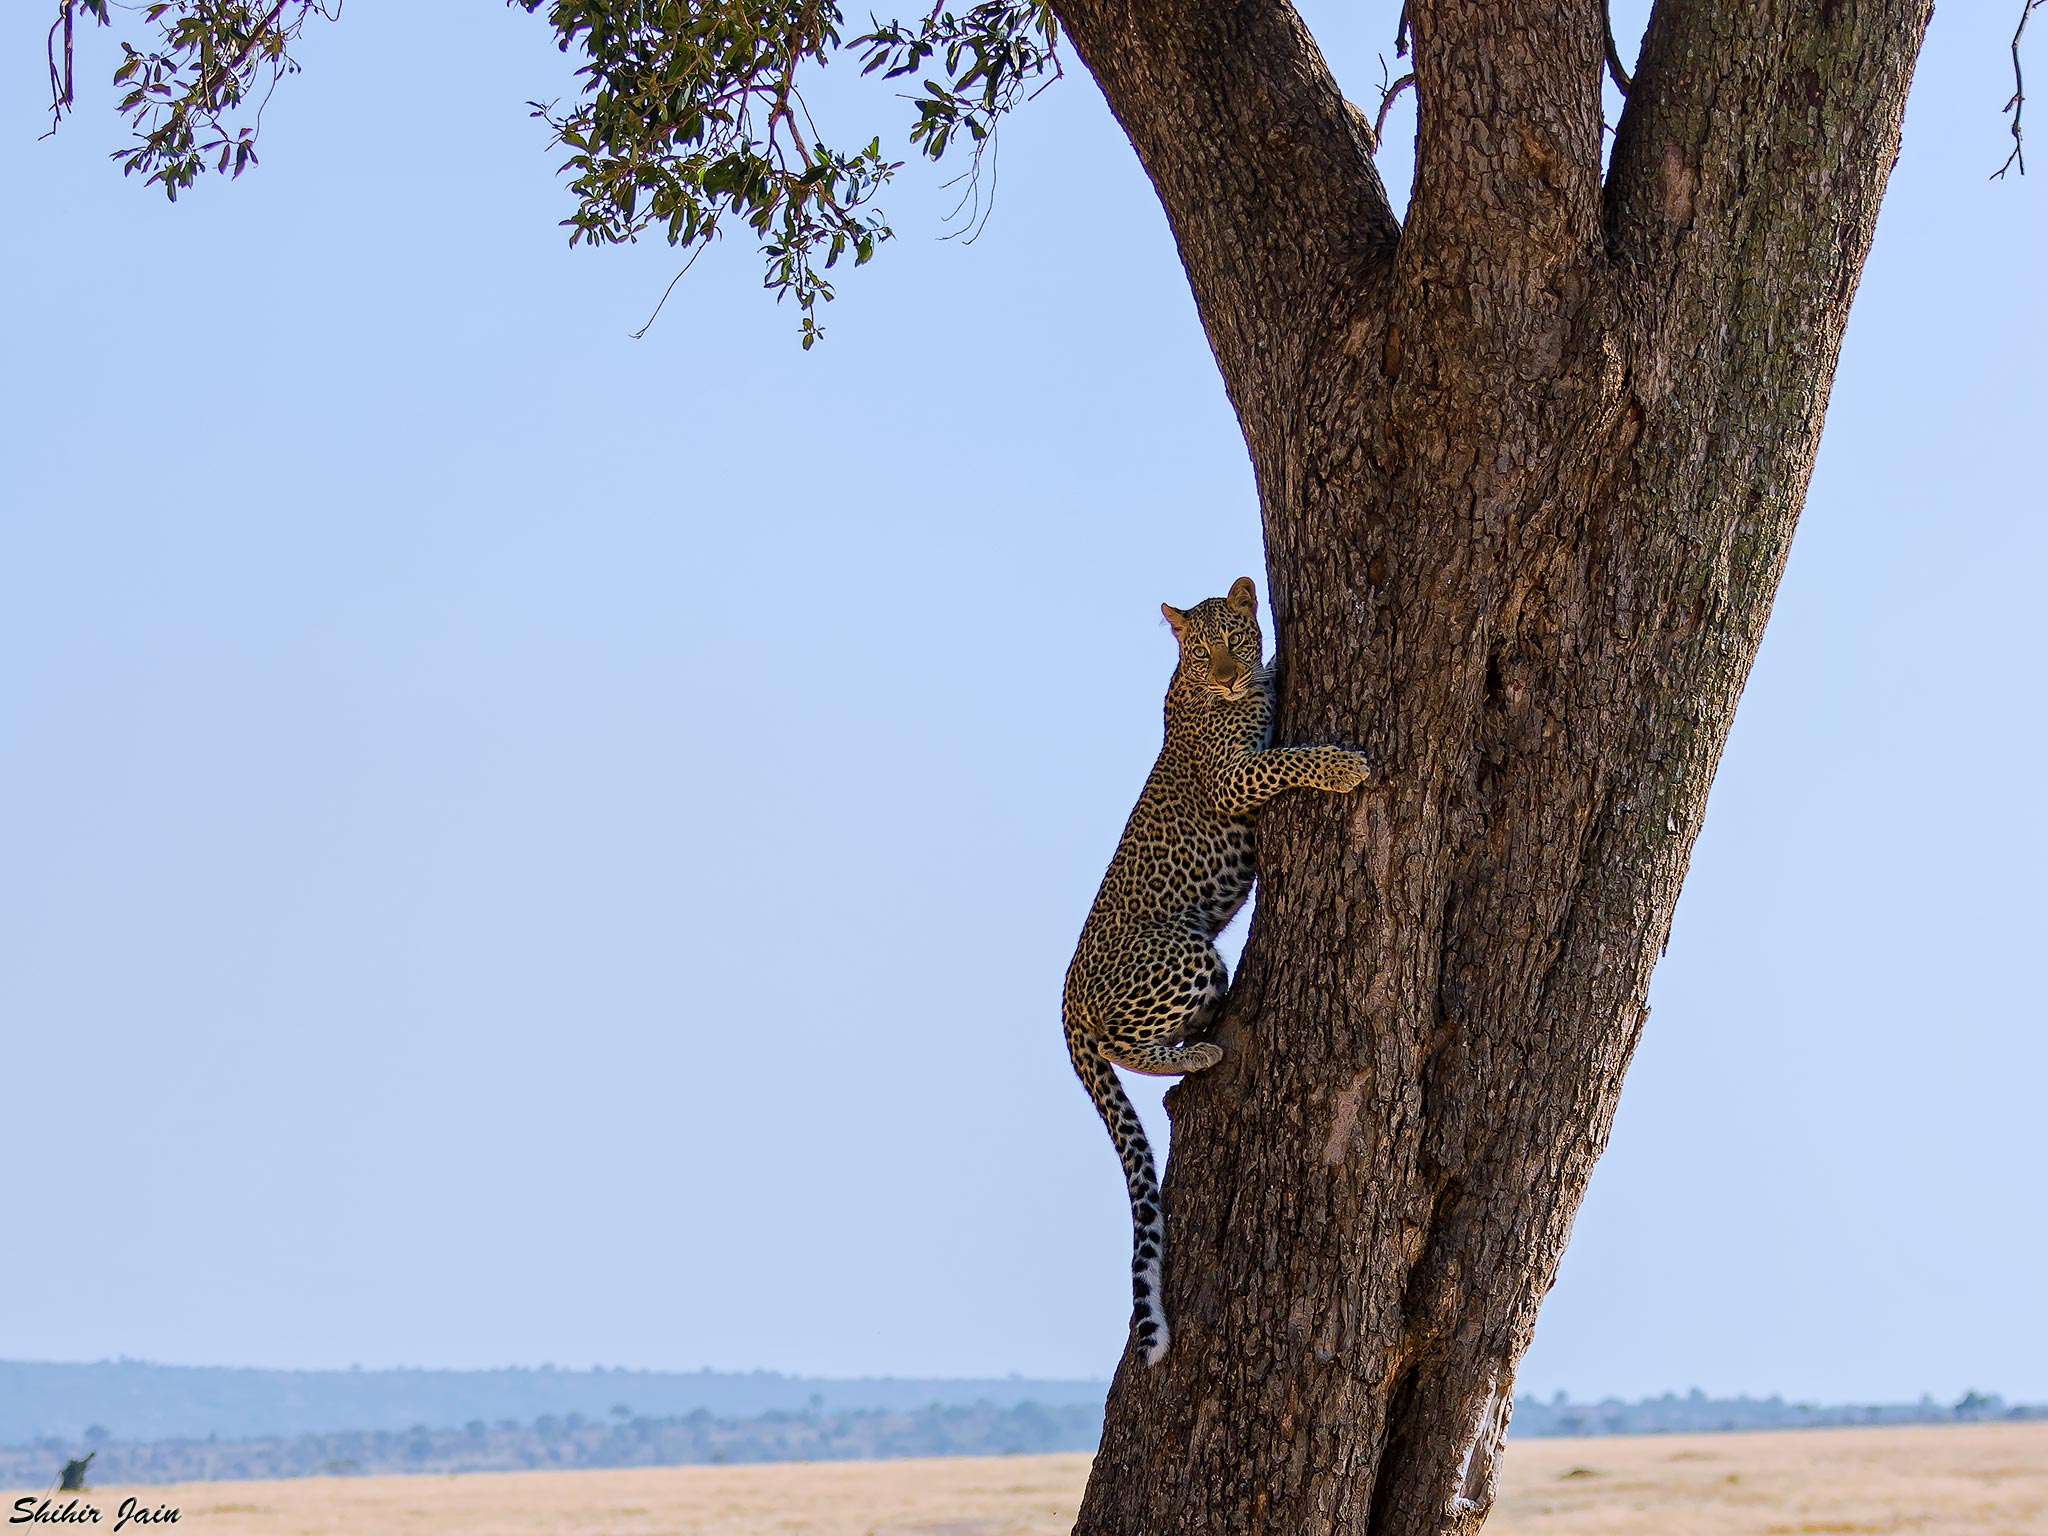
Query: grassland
{"x":1969,"y":1480}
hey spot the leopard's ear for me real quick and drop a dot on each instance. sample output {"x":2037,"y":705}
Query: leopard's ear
{"x":1176,"y":618}
{"x":1244,"y":597}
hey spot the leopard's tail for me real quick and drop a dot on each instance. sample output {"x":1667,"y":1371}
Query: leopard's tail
{"x":1148,"y":1213}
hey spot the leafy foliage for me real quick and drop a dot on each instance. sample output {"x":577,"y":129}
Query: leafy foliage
{"x":989,"y":59}
{"x":689,"y":113}
{"x":200,"y":62}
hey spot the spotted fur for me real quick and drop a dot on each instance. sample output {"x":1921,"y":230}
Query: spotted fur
{"x":1146,"y":979}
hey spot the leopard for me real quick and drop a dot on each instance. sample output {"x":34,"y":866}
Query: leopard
{"x":1146,"y":983}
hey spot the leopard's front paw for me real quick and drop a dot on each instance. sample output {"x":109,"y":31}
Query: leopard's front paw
{"x":1201,"y":1056}
{"x":1345,"y":772}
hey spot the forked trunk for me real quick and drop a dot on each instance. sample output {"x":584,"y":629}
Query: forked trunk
{"x":1529,"y":469}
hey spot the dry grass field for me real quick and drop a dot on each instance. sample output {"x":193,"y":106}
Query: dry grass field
{"x":1976,"y":1480}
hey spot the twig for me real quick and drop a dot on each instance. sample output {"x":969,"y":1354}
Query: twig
{"x":800,"y":45}
{"x":671,"y":288}
{"x":209,"y":81}
{"x":60,"y":78}
{"x":1622,"y":79}
{"x":1379,"y":125}
{"x":2018,"y":104}
{"x":977,"y":220}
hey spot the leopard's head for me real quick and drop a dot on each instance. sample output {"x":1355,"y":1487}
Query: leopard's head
{"x":1220,"y":643}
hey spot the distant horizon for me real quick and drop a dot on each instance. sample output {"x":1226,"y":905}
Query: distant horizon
{"x":152,"y":1423}
{"x":550,"y":1365}
{"x":1926,"y":1395}
{"x":180,"y":1423}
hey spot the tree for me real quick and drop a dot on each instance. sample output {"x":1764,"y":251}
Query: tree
{"x":1529,"y":462}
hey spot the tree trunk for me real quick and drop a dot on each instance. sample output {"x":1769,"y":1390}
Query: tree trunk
{"x":1529,"y":466}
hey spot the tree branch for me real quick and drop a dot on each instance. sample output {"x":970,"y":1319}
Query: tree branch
{"x":1507,"y":164}
{"x":1379,"y":122}
{"x":1739,"y":122}
{"x":62,"y":79}
{"x":1264,"y":170}
{"x":2018,"y":104}
{"x":1621,"y":76}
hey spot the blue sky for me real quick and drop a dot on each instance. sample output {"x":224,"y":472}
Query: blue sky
{"x":524,"y":845}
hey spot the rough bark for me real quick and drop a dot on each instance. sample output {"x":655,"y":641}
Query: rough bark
{"x":1529,"y":467}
